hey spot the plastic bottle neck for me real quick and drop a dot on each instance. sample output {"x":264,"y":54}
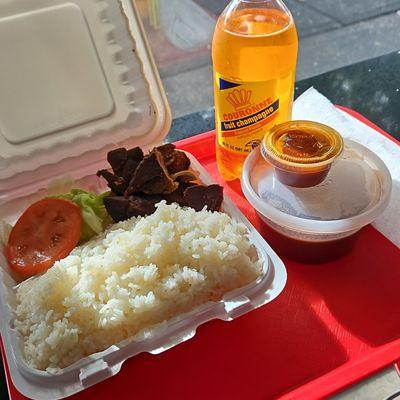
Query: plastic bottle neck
{"x":260,"y":4}
{"x":272,"y":2}
{"x":253,"y":1}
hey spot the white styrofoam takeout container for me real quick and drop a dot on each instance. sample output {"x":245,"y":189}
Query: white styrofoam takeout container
{"x":132,"y":111}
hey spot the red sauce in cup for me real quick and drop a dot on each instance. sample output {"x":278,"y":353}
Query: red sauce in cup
{"x":313,"y":252}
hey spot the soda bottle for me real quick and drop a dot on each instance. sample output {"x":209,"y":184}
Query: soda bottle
{"x":254,"y":52}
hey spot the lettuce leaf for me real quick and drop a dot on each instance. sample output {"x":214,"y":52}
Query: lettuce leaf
{"x":5,"y":230}
{"x":94,"y":215}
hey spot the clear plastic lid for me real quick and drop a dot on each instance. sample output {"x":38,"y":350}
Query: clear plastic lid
{"x":73,"y":80}
{"x":302,"y":143}
{"x":355,"y":192}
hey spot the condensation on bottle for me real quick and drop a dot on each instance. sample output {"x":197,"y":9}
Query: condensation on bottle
{"x":254,"y":54}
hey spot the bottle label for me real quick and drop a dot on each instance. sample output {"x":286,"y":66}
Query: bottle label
{"x":243,"y":109}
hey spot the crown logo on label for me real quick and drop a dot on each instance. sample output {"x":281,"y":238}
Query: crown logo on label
{"x":239,"y":98}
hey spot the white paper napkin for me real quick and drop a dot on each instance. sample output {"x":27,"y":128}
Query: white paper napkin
{"x":312,"y":105}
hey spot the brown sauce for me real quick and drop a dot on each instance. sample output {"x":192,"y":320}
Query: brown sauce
{"x":303,"y":144}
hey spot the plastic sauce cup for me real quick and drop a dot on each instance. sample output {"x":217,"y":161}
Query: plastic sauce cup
{"x":302,"y":152}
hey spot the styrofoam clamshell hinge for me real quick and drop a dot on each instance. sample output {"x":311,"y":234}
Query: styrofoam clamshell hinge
{"x":173,"y":341}
{"x":94,"y":373}
{"x":237,"y":306}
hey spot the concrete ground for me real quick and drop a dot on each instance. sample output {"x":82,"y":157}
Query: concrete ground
{"x":333,"y":33}
{"x":378,"y":387}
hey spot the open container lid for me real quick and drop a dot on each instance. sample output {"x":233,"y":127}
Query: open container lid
{"x":74,"y":83}
{"x":356,"y":190}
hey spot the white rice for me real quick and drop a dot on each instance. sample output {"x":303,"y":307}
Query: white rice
{"x":139,"y":273}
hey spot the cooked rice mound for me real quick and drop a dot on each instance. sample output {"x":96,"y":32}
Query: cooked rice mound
{"x":137,"y":274}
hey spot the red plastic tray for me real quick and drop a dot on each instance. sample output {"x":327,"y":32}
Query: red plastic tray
{"x":333,"y":325}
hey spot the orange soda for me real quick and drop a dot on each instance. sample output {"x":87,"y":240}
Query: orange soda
{"x":254,"y":52}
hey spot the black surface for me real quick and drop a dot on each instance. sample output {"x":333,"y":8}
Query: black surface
{"x":3,"y":385}
{"x":371,"y":87}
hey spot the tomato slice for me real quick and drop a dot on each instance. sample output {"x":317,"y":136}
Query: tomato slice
{"x":46,"y":232}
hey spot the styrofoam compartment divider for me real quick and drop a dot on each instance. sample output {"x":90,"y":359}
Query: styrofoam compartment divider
{"x":90,"y":370}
